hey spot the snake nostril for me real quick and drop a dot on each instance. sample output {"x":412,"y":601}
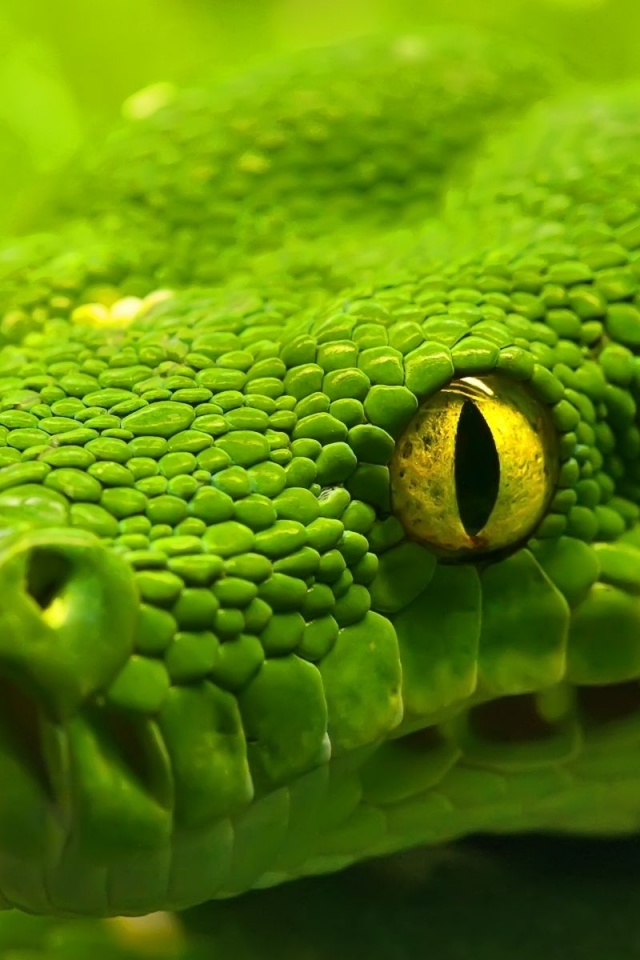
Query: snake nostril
{"x":68,"y":614}
{"x":47,"y":573}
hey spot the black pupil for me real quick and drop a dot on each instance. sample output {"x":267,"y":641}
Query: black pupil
{"x":477,"y":469}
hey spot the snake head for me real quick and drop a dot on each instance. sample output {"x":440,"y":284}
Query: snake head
{"x":320,"y":569}
{"x":271,"y":606}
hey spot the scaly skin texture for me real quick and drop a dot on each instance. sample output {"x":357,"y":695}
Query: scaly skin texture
{"x":230,"y":655}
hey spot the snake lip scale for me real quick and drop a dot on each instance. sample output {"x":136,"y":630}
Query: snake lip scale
{"x":320,"y":478}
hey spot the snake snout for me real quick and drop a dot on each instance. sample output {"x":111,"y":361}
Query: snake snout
{"x":67,"y":615}
{"x":68,"y":607}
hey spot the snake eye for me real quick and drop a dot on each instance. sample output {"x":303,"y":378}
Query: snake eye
{"x":475,"y":469}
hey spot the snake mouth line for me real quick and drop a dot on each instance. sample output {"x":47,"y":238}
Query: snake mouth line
{"x":59,"y":766}
{"x":106,"y":751}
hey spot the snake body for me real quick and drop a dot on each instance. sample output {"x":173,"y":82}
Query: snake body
{"x":320,"y":478}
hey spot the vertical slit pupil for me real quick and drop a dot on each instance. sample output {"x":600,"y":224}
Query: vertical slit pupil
{"x":477,"y":469}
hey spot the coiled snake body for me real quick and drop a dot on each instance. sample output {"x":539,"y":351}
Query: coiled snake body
{"x":319,"y":479}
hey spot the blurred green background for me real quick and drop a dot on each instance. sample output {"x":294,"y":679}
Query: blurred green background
{"x":66,"y":66}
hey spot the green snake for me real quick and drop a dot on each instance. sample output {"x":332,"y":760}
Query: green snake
{"x":320,"y":478}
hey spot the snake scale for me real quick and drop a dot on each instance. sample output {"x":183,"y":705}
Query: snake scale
{"x":320,"y":478}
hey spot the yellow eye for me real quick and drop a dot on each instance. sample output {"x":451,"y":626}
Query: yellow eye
{"x":475,"y":469}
